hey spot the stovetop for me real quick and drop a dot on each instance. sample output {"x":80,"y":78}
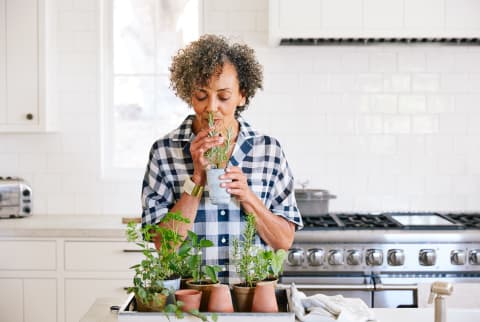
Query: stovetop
{"x":392,"y":220}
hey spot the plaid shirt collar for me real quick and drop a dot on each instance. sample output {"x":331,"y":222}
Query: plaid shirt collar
{"x":185,"y":133}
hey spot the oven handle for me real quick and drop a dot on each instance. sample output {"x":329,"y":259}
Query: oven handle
{"x":396,"y":287}
{"x":343,"y":287}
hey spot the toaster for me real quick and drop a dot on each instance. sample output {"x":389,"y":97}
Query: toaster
{"x":15,"y":198}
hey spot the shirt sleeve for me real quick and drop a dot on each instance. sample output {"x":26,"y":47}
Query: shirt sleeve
{"x":284,"y":203}
{"x":157,"y":194}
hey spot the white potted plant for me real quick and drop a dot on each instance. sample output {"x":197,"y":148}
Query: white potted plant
{"x":218,"y":159}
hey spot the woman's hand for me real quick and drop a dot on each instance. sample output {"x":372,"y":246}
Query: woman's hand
{"x":238,"y":186}
{"x":201,"y":144}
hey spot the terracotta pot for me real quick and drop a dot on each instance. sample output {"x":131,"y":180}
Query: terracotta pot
{"x":183,"y":282}
{"x":243,"y":297}
{"x":264,"y":299}
{"x":220,"y":299}
{"x":154,"y":306}
{"x":190,"y":298}
{"x":205,"y":287}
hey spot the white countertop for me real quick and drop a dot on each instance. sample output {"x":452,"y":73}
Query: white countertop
{"x":100,"y":312}
{"x":63,"y":226}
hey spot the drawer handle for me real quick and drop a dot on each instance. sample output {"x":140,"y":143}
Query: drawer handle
{"x":29,"y":116}
{"x":136,"y":250}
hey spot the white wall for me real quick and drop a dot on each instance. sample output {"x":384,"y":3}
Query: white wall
{"x":382,"y":127}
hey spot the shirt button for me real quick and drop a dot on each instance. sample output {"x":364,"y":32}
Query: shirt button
{"x":224,"y":240}
{"x":222,"y":213}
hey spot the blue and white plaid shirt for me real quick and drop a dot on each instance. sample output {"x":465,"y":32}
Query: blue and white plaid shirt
{"x":261,"y":159}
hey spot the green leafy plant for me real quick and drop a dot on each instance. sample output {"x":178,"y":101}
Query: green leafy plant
{"x":159,"y":264}
{"x":218,"y":155}
{"x":253,"y":262}
{"x":199,"y":272}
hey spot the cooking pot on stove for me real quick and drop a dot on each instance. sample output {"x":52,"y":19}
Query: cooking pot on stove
{"x":313,"y":201}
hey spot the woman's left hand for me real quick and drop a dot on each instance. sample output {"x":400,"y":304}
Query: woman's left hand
{"x":238,"y":186}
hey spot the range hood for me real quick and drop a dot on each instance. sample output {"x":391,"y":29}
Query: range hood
{"x":364,"y":22}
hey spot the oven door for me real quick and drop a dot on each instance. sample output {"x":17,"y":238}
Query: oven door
{"x":413,"y":290}
{"x":348,"y":286}
{"x":394,"y":292}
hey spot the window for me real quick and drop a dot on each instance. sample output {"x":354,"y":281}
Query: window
{"x":141,"y":36}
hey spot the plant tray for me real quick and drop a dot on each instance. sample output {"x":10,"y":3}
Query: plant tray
{"x":128,"y":313}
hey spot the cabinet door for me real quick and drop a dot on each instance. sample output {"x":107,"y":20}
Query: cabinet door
{"x":22,"y":56}
{"x":40,"y":300}
{"x":3,"y":72}
{"x":81,"y":293}
{"x":11,"y":300}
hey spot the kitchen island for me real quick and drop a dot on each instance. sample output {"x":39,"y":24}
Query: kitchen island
{"x":100,"y":312}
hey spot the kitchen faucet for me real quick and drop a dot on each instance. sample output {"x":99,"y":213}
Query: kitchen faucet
{"x":437,"y":292}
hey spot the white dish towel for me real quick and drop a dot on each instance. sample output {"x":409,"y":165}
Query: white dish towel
{"x":323,"y":308}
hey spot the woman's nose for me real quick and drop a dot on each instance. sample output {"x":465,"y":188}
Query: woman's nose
{"x":212,"y":105}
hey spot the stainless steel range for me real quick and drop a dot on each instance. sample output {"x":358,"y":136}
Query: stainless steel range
{"x":386,"y":259}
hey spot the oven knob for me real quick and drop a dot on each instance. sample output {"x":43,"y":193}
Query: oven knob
{"x":335,"y":257}
{"x":474,"y":257}
{"x":315,"y":256}
{"x":395,"y":257}
{"x":296,"y":256}
{"x":374,"y":257}
{"x":427,"y":257}
{"x":457,"y":257}
{"x":354,"y":257}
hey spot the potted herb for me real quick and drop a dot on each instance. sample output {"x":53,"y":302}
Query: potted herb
{"x":203,"y":276}
{"x":156,"y":275}
{"x":218,"y":159}
{"x":254,"y":264}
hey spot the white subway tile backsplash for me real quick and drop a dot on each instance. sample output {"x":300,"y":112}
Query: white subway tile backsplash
{"x":461,"y":14}
{"x":385,"y":62}
{"x":397,"y":124}
{"x":411,"y":61}
{"x":369,"y":83}
{"x":9,"y":164}
{"x":452,"y":124}
{"x":440,"y":103}
{"x":32,"y":162}
{"x":455,"y":83}
{"x":385,"y":104}
{"x":425,"y":124}
{"x":412,"y":104}
{"x":425,"y":83}
{"x":397,"y":83}
{"x":388,"y":127}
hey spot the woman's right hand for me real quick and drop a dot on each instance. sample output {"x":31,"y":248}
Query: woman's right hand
{"x":201,"y":144}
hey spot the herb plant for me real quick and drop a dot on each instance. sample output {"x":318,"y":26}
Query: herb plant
{"x":218,"y":155}
{"x":159,"y":264}
{"x":253,"y":262}
{"x":199,"y":272}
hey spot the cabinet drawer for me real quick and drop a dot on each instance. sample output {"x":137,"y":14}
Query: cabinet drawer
{"x":100,"y":256}
{"x":28,"y":255}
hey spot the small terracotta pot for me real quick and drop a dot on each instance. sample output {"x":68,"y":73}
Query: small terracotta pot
{"x":264,"y":299}
{"x":190,"y":298}
{"x":220,"y":299}
{"x":243,"y":297}
{"x":205,"y":287}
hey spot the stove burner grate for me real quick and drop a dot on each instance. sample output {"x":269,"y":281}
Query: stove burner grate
{"x":321,"y":221}
{"x":367,"y":221}
{"x":467,"y":220}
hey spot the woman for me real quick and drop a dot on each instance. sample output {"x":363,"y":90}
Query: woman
{"x":213,"y":76}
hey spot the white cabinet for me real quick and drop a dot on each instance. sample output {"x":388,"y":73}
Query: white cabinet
{"x":373,"y":18}
{"x":58,"y":279}
{"x":96,"y":268}
{"x":25,"y":59}
{"x":81,"y":293}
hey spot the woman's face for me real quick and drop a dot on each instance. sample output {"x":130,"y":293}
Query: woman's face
{"x":221,"y":96}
